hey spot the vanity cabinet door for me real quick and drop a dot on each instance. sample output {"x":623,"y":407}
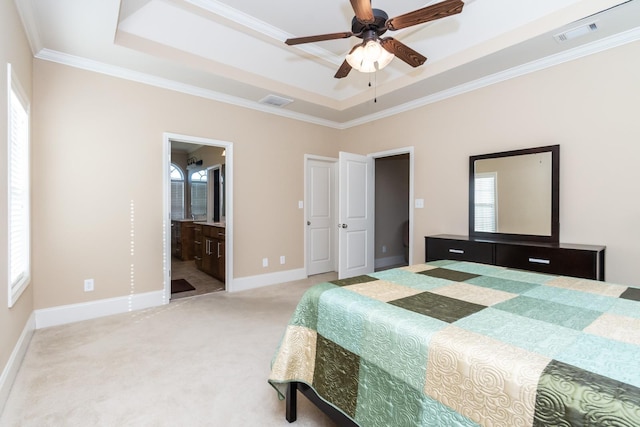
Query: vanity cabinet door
{"x":209,"y":259}
{"x":176,"y":239}
{"x":198,"y":247}
{"x":211,"y":240}
{"x":220,"y":272}
{"x":187,"y":235}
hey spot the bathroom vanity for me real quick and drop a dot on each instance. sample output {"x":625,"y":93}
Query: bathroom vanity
{"x":209,"y":248}
{"x":182,"y":234}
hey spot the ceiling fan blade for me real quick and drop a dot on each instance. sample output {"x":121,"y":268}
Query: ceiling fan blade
{"x":426,"y":14}
{"x":403,"y":52}
{"x":345,"y":67}
{"x":363,"y":11}
{"x":319,"y":38}
{"x":343,"y":71}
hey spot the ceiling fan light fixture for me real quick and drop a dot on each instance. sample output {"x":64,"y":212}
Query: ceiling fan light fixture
{"x":369,"y":57}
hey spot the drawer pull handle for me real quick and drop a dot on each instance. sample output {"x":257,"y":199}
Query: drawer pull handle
{"x":456,"y":251}
{"x":539,"y":261}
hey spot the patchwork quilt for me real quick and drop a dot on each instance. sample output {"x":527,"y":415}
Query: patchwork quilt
{"x":462,"y":344}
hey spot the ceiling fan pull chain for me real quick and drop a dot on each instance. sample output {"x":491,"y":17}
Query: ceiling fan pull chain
{"x":375,"y":87}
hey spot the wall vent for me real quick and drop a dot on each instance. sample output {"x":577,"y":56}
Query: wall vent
{"x":576,"y":32}
{"x":275,"y":100}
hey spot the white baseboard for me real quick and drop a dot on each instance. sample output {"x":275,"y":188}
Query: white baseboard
{"x":93,"y":309}
{"x":252,"y":282}
{"x":389,"y":261}
{"x":15,"y":360}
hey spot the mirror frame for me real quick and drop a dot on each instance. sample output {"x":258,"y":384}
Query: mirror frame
{"x":555,"y":197}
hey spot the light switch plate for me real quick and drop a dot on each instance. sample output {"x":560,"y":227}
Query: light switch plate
{"x":419,"y":203}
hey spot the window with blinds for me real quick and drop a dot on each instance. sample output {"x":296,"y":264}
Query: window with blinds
{"x":18,"y":232}
{"x":177,"y":192}
{"x":486,"y":217}
{"x":199,"y":193}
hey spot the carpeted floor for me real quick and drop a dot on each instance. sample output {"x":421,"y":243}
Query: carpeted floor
{"x":200,"y":361}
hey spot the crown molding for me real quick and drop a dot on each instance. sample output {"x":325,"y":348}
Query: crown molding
{"x":136,"y":76}
{"x":521,"y":70}
{"x":25,"y":10}
{"x":531,"y":67}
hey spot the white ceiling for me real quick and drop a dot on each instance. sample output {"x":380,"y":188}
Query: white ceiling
{"x":233,"y":50}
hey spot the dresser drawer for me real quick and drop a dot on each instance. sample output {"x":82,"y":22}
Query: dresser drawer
{"x":560,"y":261}
{"x":458,"y":250}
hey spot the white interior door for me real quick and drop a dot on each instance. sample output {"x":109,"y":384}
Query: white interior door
{"x":355,"y":215}
{"x":320,"y":212}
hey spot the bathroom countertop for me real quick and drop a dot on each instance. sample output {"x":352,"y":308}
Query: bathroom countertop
{"x":211,"y":223}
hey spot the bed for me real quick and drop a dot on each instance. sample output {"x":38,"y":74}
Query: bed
{"x":450,"y":343}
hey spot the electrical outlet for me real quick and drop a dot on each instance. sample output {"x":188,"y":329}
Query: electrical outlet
{"x":282,"y":259}
{"x":265,"y":262}
{"x":88,"y":285}
{"x":384,"y":249}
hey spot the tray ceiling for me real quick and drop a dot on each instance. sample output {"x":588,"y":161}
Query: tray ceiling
{"x":234,"y":51}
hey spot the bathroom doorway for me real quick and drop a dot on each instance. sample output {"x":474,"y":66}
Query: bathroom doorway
{"x":203,"y":162}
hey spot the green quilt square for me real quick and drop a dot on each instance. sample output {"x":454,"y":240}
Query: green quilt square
{"x":438,"y":306}
{"x":336,"y":375}
{"x":353,"y":280}
{"x":632,"y":294}
{"x":445,"y":273}
{"x":570,"y":396}
{"x":550,"y":312}
{"x":385,"y":401}
{"x":306,"y":313}
{"x":500,"y":284}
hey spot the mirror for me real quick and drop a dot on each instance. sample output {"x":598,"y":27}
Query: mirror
{"x":514,"y":195}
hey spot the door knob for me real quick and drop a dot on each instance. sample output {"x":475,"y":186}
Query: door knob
{"x":342,"y":225}
{"x":308,"y":222}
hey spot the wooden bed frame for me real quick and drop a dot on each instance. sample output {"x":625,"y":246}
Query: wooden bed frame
{"x":292,"y":403}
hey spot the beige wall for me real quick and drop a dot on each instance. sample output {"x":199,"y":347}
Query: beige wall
{"x":85,"y":190}
{"x":588,"y":106}
{"x":14,"y":49}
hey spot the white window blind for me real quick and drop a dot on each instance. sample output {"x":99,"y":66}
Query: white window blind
{"x":19,"y":191}
{"x":199,"y":193}
{"x":177,"y":193}
{"x":485,"y":202}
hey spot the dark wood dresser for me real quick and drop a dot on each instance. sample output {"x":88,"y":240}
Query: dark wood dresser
{"x":585,"y":261}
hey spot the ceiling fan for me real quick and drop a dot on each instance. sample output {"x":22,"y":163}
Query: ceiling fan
{"x":374,"y":53}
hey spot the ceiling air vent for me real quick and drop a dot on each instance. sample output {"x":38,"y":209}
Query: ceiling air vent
{"x":275,"y":100}
{"x":576,"y":32}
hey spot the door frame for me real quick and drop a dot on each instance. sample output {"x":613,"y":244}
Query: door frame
{"x":397,"y":152}
{"x":167,"y":138}
{"x":381,"y":154}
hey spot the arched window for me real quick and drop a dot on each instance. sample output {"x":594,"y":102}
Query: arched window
{"x":199,"y":193}
{"x":177,"y":192}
